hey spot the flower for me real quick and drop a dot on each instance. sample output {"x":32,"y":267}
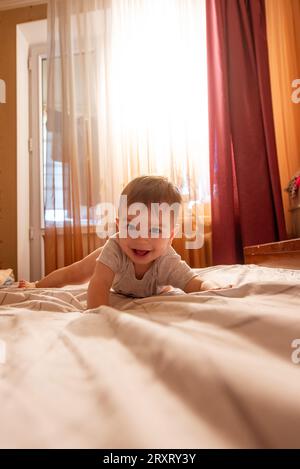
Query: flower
{"x":293,"y":185}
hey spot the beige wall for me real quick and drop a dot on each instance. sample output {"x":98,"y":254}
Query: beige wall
{"x":8,"y":129}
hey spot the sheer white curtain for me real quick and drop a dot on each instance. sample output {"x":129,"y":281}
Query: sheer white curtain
{"x":127,"y":95}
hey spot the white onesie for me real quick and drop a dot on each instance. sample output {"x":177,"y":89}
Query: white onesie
{"x":168,"y":269}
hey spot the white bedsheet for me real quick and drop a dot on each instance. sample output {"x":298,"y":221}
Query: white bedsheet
{"x":206,"y":370}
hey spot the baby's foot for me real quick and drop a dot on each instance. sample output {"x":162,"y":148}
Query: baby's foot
{"x":25,"y":284}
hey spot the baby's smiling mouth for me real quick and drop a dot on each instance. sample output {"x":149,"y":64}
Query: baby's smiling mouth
{"x":140,"y":252}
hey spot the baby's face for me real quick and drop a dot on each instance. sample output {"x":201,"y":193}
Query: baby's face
{"x":146,"y":238}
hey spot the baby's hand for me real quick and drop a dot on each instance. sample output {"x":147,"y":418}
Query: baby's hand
{"x":25,"y":284}
{"x":211,"y":285}
{"x":198,"y":284}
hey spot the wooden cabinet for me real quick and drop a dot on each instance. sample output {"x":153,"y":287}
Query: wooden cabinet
{"x":285,"y":254}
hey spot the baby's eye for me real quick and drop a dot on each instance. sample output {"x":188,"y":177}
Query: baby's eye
{"x":130,"y":226}
{"x":155,"y":230}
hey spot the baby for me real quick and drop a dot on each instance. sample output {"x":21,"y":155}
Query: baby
{"x":140,"y":262}
{"x":134,"y":263}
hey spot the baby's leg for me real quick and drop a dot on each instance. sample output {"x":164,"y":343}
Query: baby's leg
{"x":81,"y":271}
{"x":76,"y":273}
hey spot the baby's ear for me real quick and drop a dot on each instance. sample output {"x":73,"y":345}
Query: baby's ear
{"x":175,"y":230}
{"x":173,"y":234}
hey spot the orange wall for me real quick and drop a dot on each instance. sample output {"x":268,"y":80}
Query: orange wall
{"x":8,"y":130}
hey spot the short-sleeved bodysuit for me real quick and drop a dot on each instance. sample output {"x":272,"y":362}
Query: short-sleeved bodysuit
{"x":167,"y":269}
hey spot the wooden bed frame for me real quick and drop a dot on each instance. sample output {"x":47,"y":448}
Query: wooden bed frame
{"x":285,"y":254}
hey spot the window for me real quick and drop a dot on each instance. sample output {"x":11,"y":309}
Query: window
{"x":50,"y":215}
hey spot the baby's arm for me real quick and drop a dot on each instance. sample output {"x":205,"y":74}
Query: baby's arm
{"x":197,"y":284}
{"x":99,"y":286}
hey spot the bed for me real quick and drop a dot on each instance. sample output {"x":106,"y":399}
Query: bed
{"x":208,"y":370}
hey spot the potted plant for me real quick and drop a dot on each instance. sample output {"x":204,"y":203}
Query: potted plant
{"x":293,"y":190}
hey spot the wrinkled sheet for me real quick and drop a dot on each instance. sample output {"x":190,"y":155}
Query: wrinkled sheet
{"x":205,"y":370}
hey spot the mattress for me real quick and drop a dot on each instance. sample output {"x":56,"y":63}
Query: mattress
{"x":218,"y":369}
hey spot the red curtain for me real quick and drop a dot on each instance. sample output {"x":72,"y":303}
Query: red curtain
{"x":245,"y":186}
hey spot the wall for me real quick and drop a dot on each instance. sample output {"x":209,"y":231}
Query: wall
{"x":283,"y":18}
{"x":8,"y":130}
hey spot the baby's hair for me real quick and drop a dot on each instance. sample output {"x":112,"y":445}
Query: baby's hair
{"x":151,"y":189}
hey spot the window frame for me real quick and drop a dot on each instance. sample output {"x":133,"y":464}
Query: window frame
{"x":36,"y":234}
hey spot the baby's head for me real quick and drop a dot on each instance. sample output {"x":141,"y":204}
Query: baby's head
{"x":148,"y":209}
